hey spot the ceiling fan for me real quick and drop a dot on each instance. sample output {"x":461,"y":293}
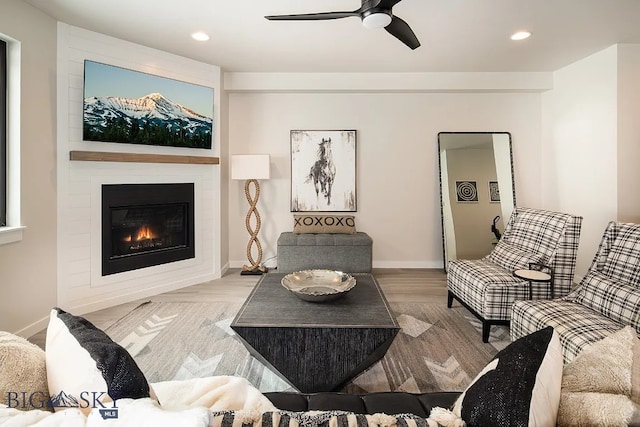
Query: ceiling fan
{"x":374,"y":14}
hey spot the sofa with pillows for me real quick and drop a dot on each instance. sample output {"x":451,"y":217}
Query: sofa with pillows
{"x":525,"y":384}
{"x":92,"y":381}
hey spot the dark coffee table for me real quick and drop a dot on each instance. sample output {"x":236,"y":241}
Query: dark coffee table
{"x":316,"y":346}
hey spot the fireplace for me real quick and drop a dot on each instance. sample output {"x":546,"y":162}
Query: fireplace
{"x":145,"y":225}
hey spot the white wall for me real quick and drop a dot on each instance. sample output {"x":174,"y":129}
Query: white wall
{"x":81,"y":287}
{"x":28,"y":267}
{"x":397,"y":170}
{"x":628,"y":132}
{"x":580,"y":138}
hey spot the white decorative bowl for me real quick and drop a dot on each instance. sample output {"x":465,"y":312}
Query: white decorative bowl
{"x":319,"y":285}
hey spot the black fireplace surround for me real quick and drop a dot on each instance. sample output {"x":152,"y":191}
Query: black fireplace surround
{"x":145,"y":225}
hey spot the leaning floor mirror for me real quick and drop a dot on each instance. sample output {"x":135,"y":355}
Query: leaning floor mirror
{"x":477,"y":191}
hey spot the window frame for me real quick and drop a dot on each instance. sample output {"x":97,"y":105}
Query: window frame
{"x":13,"y":230}
{"x":3,"y":133}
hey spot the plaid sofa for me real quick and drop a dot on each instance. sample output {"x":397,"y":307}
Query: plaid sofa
{"x":488,"y":288}
{"x":606,"y":300}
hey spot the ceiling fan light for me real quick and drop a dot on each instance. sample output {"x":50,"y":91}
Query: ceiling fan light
{"x":376,"y":20}
{"x":521,"y":35}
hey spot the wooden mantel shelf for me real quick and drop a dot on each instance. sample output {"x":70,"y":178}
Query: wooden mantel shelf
{"x":103,"y":156}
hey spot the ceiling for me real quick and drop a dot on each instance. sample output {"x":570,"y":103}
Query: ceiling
{"x":456,"y":35}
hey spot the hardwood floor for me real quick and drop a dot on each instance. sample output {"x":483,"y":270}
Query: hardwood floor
{"x":399,"y":285}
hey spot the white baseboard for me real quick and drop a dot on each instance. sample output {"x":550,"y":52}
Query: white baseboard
{"x":270,"y":263}
{"x":376,"y":264}
{"x":236,"y":264}
{"x":81,"y":308}
{"x":407,"y":264}
{"x":224,"y":269}
{"x":33,"y":328}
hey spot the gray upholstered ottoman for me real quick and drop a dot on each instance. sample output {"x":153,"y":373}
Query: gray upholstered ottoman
{"x":350,"y":253}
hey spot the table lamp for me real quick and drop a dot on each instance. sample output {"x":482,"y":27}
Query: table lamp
{"x":251,"y":168}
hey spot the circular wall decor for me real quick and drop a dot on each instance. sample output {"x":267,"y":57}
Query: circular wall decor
{"x":466,"y":191}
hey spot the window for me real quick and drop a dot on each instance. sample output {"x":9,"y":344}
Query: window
{"x":10,"y":225}
{"x":3,"y":133}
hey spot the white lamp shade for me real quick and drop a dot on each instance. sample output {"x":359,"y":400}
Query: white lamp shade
{"x":250,"y":166}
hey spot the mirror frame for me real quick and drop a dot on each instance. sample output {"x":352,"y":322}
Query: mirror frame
{"x":513,"y":183}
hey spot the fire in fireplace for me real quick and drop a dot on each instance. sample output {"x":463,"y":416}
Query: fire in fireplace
{"x":145,"y":225}
{"x":137,"y":229}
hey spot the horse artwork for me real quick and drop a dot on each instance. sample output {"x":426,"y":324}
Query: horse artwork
{"x":323,"y":173}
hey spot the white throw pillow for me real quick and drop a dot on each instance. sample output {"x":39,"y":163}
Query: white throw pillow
{"x":85,"y":368}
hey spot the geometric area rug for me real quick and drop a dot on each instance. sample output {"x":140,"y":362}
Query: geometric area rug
{"x":437,"y":349}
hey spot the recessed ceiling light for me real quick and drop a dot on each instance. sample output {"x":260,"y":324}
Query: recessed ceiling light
{"x":520,"y":35}
{"x":200,"y":36}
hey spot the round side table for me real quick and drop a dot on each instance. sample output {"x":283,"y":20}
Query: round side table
{"x":534,"y":276}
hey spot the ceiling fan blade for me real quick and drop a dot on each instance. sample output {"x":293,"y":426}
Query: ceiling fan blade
{"x":387,"y":4}
{"x":401,"y":30}
{"x":312,"y":16}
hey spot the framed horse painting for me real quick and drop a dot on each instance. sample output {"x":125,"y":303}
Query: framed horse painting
{"x":323,"y":171}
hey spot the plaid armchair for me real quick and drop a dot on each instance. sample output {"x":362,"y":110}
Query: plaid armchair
{"x":606,"y":300}
{"x":488,"y":288}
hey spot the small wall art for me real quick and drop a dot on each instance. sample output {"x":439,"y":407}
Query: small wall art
{"x":494,"y":192}
{"x":132,"y":107}
{"x":323,"y":170}
{"x":466,"y":191}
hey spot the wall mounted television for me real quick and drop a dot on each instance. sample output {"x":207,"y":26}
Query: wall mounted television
{"x":132,"y":107}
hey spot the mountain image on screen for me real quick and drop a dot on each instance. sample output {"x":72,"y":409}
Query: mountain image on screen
{"x":150,"y":120}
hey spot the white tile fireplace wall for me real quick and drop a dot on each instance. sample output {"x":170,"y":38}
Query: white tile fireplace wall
{"x":81,"y":286}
